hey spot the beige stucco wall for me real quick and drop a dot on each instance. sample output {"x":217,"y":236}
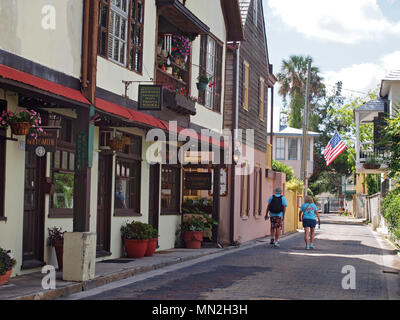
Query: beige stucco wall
{"x":22,"y":32}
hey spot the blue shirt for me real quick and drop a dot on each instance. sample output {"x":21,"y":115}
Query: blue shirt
{"x":309,"y":210}
{"x":284,"y":203}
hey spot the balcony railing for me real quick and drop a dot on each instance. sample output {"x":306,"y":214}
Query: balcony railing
{"x":369,"y":151}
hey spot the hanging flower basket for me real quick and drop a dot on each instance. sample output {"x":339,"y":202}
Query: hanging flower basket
{"x":117,"y":144}
{"x":20,"y":128}
{"x":201,"y":86}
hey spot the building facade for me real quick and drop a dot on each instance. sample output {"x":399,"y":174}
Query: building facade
{"x":81,"y":71}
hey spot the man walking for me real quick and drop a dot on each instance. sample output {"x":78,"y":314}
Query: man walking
{"x":276,"y":207}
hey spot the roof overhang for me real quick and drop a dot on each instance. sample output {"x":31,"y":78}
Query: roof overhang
{"x":368,"y":111}
{"x":233,"y":20}
{"x":181,"y":17}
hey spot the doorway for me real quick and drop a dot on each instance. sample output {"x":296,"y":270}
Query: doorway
{"x":33,"y":223}
{"x":154,"y":195}
{"x":103,"y":227}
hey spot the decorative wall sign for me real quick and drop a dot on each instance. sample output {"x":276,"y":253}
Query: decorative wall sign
{"x":198,"y":180}
{"x":150,"y":97}
{"x":81,"y":155}
{"x":47,"y":140}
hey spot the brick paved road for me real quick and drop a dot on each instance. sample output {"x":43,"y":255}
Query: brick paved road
{"x":288,"y":272}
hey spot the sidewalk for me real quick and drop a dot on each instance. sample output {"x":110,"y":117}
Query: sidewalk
{"x":29,"y":287}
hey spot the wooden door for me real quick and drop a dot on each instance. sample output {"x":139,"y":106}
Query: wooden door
{"x":154,"y":195}
{"x":33,"y":224}
{"x":103,"y":204}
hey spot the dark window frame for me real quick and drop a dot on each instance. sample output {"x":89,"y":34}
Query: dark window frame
{"x":66,"y":144}
{"x":3,"y":148}
{"x":217,"y":77}
{"x":179,"y":196}
{"x":103,"y":46}
{"x":257,"y":175}
{"x":129,"y":155}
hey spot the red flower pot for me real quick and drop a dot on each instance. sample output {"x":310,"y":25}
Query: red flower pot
{"x":193,"y":239}
{"x":59,"y":247}
{"x":151,"y":247}
{"x":135,"y":248}
{"x":4,"y":278}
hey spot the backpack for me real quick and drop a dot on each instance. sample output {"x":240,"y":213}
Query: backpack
{"x":276,"y":205}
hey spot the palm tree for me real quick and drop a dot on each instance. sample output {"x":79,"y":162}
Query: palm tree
{"x":293,"y":79}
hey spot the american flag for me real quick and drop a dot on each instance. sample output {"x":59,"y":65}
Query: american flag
{"x":335,"y":147}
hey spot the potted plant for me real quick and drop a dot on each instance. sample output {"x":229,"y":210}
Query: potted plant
{"x":56,"y":240}
{"x":372,"y":163}
{"x":6,"y":264}
{"x":136,"y":236}
{"x":22,"y":121}
{"x":203,"y":80}
{"x":193,"y":229}
{"x":152,"y":245}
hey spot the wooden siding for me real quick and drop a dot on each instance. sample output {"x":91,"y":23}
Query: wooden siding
{"x":253,"y":51}
{"x":229,"y":97}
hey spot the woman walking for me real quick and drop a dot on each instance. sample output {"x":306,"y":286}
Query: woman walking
{"x":309,"y":215}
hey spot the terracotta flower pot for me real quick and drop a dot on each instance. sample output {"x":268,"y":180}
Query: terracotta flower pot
{"x":135,"y":248}
{"x":4,"y":278}
{"x":193,"y":239}
{"x":151,"y":247}
{"x":20,"y":128}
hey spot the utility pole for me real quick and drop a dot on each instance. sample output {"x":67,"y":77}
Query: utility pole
{"x":305,"y":132}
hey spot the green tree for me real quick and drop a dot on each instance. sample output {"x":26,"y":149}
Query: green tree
{"x":293,"y":79}
{"x":391,"y":142}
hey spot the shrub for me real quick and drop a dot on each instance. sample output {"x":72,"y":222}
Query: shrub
{"x":281,"y":167}
{"x":6,"y":261}
{"x":391,"y":212}
{"x":137,"y":231}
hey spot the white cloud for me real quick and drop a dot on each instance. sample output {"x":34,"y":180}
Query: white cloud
{"x":361,"y":78}
{"x":345,"y":21}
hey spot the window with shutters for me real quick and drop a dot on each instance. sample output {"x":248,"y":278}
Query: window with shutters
{"x":246,"y":85}
{"x":245,"y":192}
{"x":211,"y":52}
{"x":257,"y":191}
{"x":261,"y":89}
{"x":121,"y":32}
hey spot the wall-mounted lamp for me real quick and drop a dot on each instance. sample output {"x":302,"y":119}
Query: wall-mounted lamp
{"x":236,"y":156}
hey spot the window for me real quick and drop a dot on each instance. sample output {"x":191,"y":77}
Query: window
{"x":280,"y":149}
{"x":309,"y":148}
{"x":245,"y":194}
{"x":257,"y":191}
{"x":128,"y":178}
{"x":293,"y":148}
{"x":261,"y":89}
{"x":255,"y":11}
{"x":62,"y":170}
{"x":170,"y":189}
{"x":211,"y":63}
{"x":246,"y":84}
{"x":121,"y":32}
{"x":3,"y":133}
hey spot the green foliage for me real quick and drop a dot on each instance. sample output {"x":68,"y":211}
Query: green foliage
{"x":6,"y":261}
{"x":137,"y":230}
{"x":56,"y":236}
{"x":391,"y":212}
{"x":295,"y":185}
{"x":198,"y":222}
{"x":391,"y":142}
{"x":371,"y":182}
{"x":281,"y":167}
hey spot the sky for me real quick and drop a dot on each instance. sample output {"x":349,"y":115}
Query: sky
{"x":353,"y":41}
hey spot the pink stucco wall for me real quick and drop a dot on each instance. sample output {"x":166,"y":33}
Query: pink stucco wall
{"x":253,"y":226}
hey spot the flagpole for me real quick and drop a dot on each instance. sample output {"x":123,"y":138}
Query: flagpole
{"x":305,"y":131}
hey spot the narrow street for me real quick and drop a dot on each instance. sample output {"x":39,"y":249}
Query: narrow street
{"x":264,"y":273}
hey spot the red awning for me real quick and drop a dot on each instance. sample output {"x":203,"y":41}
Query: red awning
{"x":130,"y":114}
{"x":42,"y":84}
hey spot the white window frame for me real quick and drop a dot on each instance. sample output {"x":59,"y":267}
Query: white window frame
{"x":118,"y":12}
{"x":289,"y":148}
{"x":210,"y":69}
{"x":279,"y":147}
